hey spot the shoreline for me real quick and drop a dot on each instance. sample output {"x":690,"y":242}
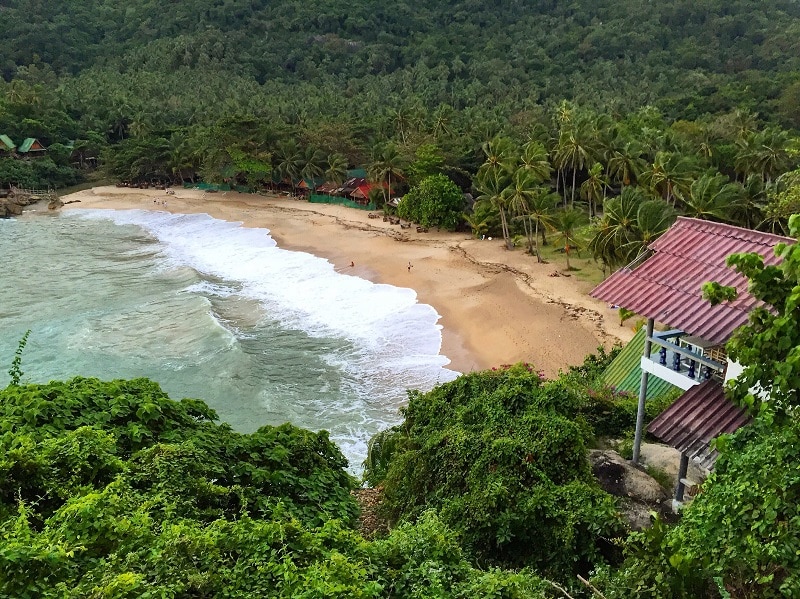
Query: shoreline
{"x":496,"y":307}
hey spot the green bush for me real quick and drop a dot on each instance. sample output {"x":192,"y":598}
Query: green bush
{"x":612,"y":413}
{"x":74,"y":436}
{"x":435,"y":202}
{"x":501,"y":456}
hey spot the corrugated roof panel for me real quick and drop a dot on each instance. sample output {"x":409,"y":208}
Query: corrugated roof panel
{"x":698,"y":416}
{"x":625,"y":371}
{"x":6,"y":143}
{"x":626,"y":359}
{"x":668,"y":285}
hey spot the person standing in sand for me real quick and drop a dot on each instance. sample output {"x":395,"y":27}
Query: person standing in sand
{"x":409,"y":267}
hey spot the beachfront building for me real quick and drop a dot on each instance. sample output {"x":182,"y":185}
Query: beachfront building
{"x":685,"y":336}
{"x":31,"y":148}
{"x":7,"y":147}
{"x":354,"y":191}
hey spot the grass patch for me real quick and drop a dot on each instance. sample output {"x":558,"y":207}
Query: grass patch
{"x":661,"y":477}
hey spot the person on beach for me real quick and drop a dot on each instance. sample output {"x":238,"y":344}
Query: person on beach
{"x":352,"y":264}
{"x":409,"y":267}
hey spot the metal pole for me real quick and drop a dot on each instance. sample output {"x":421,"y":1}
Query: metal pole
{"x":637,"y":440}
{"x":682,"y":469}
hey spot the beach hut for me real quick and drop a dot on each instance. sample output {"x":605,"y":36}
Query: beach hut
{"x":360,"y":194}
{"x":31,"y":148}
{"x":327,"y":188}
{"x":687,"y":350}
{"x":308,"y":185}
{"x":7,"y":146}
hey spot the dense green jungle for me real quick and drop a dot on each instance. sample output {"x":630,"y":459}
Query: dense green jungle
{"x":588,"y":124}
{"x":690,"y":107}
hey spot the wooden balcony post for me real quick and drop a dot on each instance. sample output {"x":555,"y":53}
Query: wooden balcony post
{"x":637,"y":439}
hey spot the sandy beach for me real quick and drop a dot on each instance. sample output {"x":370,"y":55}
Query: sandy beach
{"x":496,"y":306}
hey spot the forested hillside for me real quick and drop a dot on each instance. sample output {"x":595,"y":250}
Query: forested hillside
{"x":686,"y":57}
{"x":630,"y":111}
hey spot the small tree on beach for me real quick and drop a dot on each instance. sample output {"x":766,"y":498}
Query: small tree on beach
{"x":490,"y":183}
{"x":435,"y":202}
{"x":387,"y":165}
{"x":568,"y":223}
{"x":541,"y":212}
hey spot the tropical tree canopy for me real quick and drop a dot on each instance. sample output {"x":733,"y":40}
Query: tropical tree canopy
{"x":435,"y":202}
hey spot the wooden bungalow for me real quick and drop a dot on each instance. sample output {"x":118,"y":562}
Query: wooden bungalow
{"x":688,"y":349}
{"x":360,"y":194}
{"x":308,"y":186}
{"x":7,"y":147}
{"x":31,"y":148}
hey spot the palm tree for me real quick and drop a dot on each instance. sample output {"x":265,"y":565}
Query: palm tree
{"x":289,"y":161}
{"x":568,"y":223}
{"x":593,"y":190}
{"x":541,"y":210}
{"x":713,"y":197}
{"x":478,"y":224}
{"x":387,"y":164}
{"x":630,"y":223}
{"x":534,"y":159}
{"x":765,"y":153}
{"x":517,"y":197}
{"x":490,"y":183}
{"x":573,"y":151}
{"x":625,"y":163}
{"x":755,"y":201}
{"x":500,"y":154}
{"x":312,"y":165}
{"x":441,"y":120}
{"x":669,"y":175}
{"x":336,"y":170}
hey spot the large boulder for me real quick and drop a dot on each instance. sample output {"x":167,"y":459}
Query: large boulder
{"x":639,"y":493}
{"x":12,"y":206}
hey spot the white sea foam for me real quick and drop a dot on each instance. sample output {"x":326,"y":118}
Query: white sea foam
{"x":393,"y":341}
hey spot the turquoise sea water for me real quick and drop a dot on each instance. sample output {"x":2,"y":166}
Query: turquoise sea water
{"x":214,"y":311}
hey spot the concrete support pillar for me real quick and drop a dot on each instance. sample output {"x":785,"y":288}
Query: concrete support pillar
{"x":682,"y":470}
{"x":637,"y":440}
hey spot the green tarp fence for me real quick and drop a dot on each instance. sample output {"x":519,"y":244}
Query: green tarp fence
{"x":320,"y":199}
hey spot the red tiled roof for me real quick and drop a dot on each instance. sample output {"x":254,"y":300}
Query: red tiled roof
{"x":667,"y":286}
{"x":697,"y":417}
{"x":362,"y":191}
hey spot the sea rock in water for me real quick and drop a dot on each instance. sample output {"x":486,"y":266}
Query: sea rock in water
{"x":639,"y":493}
{"x":12,"y":206}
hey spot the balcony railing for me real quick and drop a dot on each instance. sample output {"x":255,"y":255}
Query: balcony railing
{"x":683,"y":360}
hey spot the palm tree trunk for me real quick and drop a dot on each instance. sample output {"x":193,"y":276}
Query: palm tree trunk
{"x":536,"y":240}
{"x":527,"y":228}
{"x":572,"y":201}
{"x":504,"y":224}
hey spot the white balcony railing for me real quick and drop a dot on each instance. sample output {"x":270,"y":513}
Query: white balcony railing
{"x":682,"y":366}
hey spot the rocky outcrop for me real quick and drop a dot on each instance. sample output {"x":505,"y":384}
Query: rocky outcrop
{"x":16,"y":200}
{"x":12,"y":205}
{"x":639,"y":493}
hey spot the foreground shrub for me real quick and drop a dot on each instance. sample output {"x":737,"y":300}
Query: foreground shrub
{"x":111,"y":489}
{"x":75,"y":437}
{"x":501,"y":456}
